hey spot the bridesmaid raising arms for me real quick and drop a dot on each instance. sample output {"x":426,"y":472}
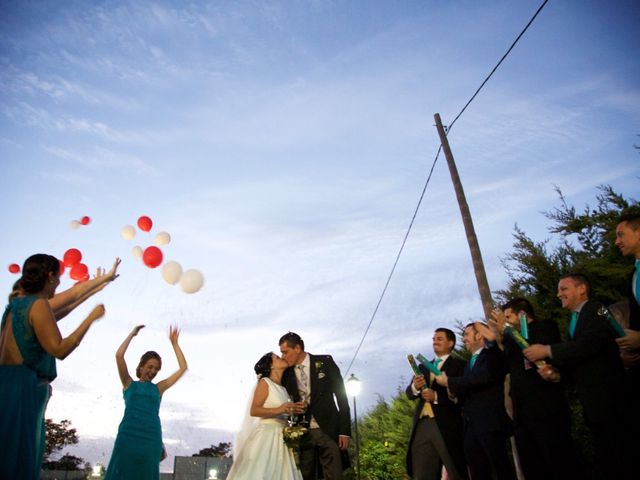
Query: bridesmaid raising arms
{"x":138,"y":448}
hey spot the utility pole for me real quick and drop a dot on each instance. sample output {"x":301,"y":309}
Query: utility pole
{"x":472,"y":239}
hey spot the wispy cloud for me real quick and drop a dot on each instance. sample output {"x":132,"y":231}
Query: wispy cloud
{"x":25,"y":114}
{"x":100,"y":158}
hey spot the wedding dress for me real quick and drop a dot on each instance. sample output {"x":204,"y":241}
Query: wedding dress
{"x":263,"y":455}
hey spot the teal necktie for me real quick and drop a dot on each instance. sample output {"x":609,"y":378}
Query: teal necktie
{"x":472,"y":362}
{"x":437,"y":362}
{"x":638,"y":281}
{"x":572,"y":324}
{"x":524,"y":326}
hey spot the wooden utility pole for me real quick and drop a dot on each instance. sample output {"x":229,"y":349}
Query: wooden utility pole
{"x":476,"y":255}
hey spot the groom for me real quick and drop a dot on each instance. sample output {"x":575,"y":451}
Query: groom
{"x":316,"y":380}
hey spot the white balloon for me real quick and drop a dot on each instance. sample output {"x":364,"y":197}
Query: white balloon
{"x":137,"y":251}
{"x":162,"y":238}
{"x":191,"y":281}
{"x":171,"y":272}
{"x":128,"y":232}
{"x":75,"y":224}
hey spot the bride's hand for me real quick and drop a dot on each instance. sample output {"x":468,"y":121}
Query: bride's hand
{"x":300,"y":407}
{"x":287,"y":407}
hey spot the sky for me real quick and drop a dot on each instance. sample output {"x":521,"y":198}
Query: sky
{"x":284,"y":146}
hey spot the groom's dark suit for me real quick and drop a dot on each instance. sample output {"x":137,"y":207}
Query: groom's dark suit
{"x":327,"y":389}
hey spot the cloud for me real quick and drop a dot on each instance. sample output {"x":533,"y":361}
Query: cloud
{"x":102,"y":158}
{"x":25,"y":114}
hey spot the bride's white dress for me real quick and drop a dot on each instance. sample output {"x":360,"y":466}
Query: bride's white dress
{"x":264,"y":456}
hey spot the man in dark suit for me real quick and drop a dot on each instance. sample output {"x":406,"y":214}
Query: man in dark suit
{"x":539,"y":406}
{"x":487,"y":426}
{"x":436,"y":434}
{"x":628,"y":241}
{"x":315,"y":380}
{"x":592,"y":358}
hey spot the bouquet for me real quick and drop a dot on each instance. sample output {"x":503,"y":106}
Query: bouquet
{"x":293,"y":436}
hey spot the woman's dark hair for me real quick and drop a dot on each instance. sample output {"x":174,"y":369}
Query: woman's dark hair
{"x":263,"y":366}
{"x":35,"y":272}
{"x":150,"y":355}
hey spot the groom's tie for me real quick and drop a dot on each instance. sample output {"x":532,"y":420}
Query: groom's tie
{"x":303,"y":387}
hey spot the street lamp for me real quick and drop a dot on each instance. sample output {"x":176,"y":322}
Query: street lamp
{"x":97,"y":471}
{"x":353,"y":388}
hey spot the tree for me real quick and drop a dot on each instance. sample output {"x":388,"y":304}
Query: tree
{"x":584,"y":242}
{"x":222,"y":450}
{"x":384,"y":436}
{"x":58,"y":436}
{"x":66,"y":462}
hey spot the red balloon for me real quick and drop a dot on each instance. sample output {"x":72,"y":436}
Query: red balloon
{"x":14,"y":268}
{"x":61,"y":267}
{"x":71,"y":257}
{"x":79,"y":271}
{"x":85,"y":220}
{"x":145,"y":223}
{"x":152,"y":257}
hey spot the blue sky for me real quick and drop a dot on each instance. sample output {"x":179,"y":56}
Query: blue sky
{"x":284,"y":146}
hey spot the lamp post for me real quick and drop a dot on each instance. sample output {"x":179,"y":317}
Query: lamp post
{"x":353,"y":388}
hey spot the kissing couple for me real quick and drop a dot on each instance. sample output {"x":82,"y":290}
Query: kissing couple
{"x":305,"y":387}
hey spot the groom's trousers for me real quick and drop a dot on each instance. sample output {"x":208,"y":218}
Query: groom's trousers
{"x":324,"y":450}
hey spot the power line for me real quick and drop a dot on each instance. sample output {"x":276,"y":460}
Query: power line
{"x":497,"y":64}
{"x":415,"y":213}
{"x":404,"y":241}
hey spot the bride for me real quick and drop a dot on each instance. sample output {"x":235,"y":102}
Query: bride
{"x":260,"y":451}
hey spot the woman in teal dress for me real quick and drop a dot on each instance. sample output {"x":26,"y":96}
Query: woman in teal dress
{"x":30,"y":341}
{"x":138,"y":448}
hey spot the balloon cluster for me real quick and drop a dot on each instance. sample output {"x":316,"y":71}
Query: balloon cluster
{"x":75,"y":224}
{"x":72,"y":260}
{"x":190,"y":280}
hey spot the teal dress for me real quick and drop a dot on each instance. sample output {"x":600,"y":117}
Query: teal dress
{"x":138,"y":448}
{"x":24,"y":393}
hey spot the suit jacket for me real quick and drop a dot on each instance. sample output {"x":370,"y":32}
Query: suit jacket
{"x":593,"y":360}
{"x":327,"y":388}
{"x":533,"y":397}
{"x":447,"y":414}
{"x":481,"y":391}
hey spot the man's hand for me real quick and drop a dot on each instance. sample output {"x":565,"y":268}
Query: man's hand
{"x":485,"y":331}
{"x":631,"y":341}
{"x":442,"y":379}
{"x":549,"y":373}
{"x":497,"y":321}
{"x":428,"y":395}
{"x":343,"y":442}
{"x":419,"y":382}
{"x":537,"y":352}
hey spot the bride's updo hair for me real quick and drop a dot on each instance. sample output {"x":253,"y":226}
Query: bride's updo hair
{"x":35,"y":272}
{"x":263,"y":366}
